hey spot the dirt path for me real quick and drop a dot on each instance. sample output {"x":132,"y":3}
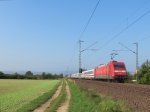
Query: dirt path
{"x":44,"y":106}
{"x":64,"y":107}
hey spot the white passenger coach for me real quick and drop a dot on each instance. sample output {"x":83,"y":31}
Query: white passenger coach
{"x":89,"y":74}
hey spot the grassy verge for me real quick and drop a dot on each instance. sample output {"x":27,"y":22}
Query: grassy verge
{"x":87,"y":101}
{"x":38,"y":101}
{"x":59,"y":100}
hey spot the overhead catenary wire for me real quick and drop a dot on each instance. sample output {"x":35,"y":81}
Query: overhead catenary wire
{"x":83,"y":31}
{"x":89,"y":46}
{"x":127,"y":48}
{"x":142,"y":39}
{"x":138,"y":9}
{"x":85,"y":27}
{"x":139,"y":41}
{"x":129,"y":17}
{"x":124,"y":29}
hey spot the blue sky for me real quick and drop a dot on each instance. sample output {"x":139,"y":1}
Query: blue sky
{"x":42,"y":35}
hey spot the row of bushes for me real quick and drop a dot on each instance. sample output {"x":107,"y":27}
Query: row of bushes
{"x":30,"y":75}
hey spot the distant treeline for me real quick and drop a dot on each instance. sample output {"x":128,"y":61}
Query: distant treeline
{"x":30,"y":75}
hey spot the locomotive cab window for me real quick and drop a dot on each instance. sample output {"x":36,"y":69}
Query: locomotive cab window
{"x":119,"y":66}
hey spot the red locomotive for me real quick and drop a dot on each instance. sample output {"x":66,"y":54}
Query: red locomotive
{"x":113,"y":70}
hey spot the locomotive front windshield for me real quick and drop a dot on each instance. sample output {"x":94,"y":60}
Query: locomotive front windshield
{"x":119,"y":66}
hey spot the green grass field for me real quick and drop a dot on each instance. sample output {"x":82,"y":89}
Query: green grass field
{"x":16,"y":93}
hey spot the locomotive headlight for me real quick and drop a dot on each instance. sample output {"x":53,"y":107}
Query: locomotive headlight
{"x":120,"y":71}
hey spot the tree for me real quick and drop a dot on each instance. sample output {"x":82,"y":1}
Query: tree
{"x":29,"y":75}
{"x":2,"y":75}
{"x":43,"y":75}
{"x":144,"y":73}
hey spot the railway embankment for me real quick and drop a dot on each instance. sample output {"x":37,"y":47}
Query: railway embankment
{"x":83,"y":100}
{"x":136,"y":96}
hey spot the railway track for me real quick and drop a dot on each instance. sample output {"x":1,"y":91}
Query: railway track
{"x":144,"y":89}
{"x":137,"y":96}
